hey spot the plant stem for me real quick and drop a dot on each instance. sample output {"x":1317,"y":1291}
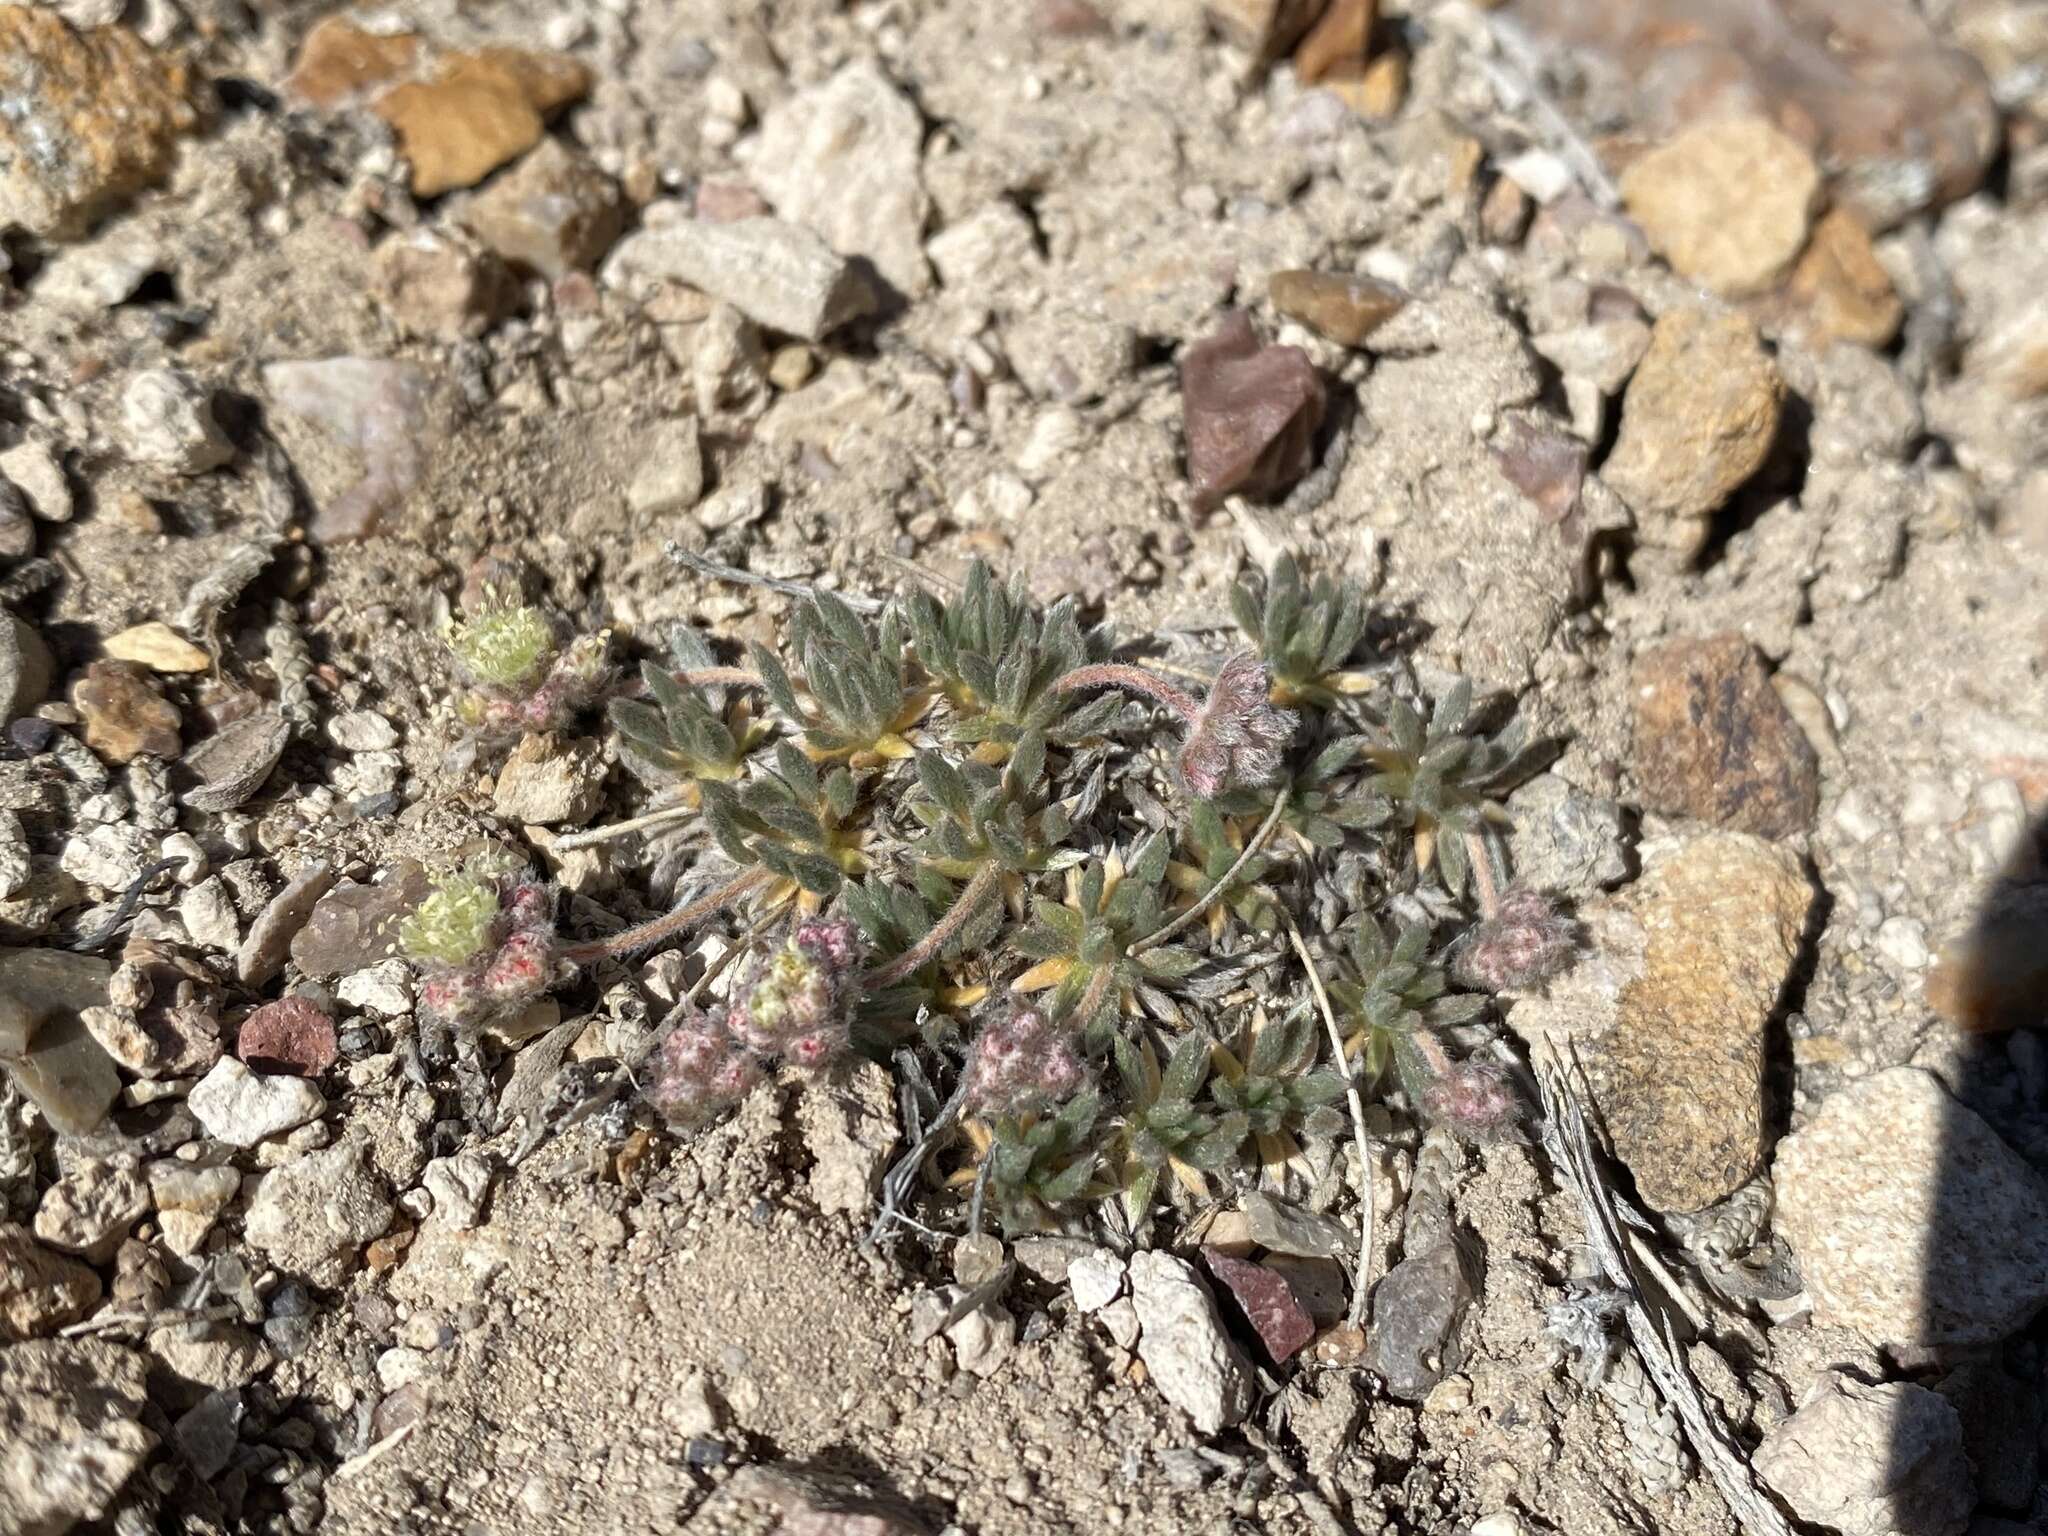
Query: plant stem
{"x":1215,"y":892}
{"x":668,"y":926}
{"x":1369,"y":1218}
{"x":920,"y":954}
{"x":605,"y":834}
{"x":1112,"y":674}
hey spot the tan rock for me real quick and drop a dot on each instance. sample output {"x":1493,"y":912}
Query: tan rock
{"x":40,"y":1291}
{"x":1912,"y":1221}
{"x":1699,"y":418}
{"x":1843,"y":287}
{"x":1376,"y":91}
{"x":1338,"y":42}
{"x":844,"y":158}
{"x":158,"y":647}
{"x":90,"y":119}
{"x":339,"y":60}
{"x":442,"y":287}
{"x":483,"y":110}
{"x":125,"y":717}
{"x":1714,"y":741}
{"x":553,"y":213}
{"x":1727,"y":202}
{"x":1672,"y":1004}
{"x":1346,"y":309}
{"x":1265,"y":29}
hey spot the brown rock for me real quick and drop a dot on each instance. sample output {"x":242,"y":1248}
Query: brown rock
{"x":548,"y":82}
{"x":1338,"y":42}
{"x":40,"y":1291}
{"x":1377,"y":94}
{"x":455,"y":133}
{"x":552,"y":213}
{"x":1713,"y":741}
{"x":90,"y":119}
{"x":1673,"y":1002}
{"x":1843,"y":287}
{"x":1727,"y":203}
{"x":339,"y":60}
{"x":440,"y":287}
{"x":1699,"y":418}
{"x":1267,"y":1301}
{"x":1505,"y":212}
{"x":483,"y":110}
{"x":125,"y":717}
{"x":293,"y":1034}
{"x":1545,"y":464}
{"x":1250,"y":413}
{"x":1265,"y":29}
{"x":1346,"y":309}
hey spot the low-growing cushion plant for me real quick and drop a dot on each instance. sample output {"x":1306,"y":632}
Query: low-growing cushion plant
{"x":1082,"y":889}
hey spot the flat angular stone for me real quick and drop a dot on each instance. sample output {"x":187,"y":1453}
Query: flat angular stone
{"x":1267,"y":1301}
{"x":1714,"y":742}
{"x":777,"y":274}
{"x":1872,"y":1460}
{"x":1672,"y":1001}
{"x":1415,"y":1314}
{"x":553,"y":213}
{"x":1181,"y":1340}
{"x":1912,"y":1221}
{"x":842,"y":158}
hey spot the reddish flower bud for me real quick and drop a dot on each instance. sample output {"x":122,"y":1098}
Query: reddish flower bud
{"x":698,"y":1071}
{"x":521,"y":969}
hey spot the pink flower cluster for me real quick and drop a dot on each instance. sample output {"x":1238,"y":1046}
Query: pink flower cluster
{"x":1020,"y":1061}
{"x":797,"y":1005}
{"x":516,"y":965}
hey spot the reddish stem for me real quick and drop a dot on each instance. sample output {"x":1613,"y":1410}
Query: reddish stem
{"x":668,"y":926}
{"x":1110,"y":674}
{"x":920,"y":954}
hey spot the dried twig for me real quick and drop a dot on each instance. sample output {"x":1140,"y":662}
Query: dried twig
{"x":591,"y":837}
{"x":719,"y":571}
{"x":1368,"y":1218}
{"x":1518,"y":73}
{"x":1578,"y":1166}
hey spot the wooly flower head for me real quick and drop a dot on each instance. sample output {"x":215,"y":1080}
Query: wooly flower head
{"x":699,"y":1070}
{"x":1239,"y":737}
{"x":1526,"y":942}
{"x":1022,"y":1061}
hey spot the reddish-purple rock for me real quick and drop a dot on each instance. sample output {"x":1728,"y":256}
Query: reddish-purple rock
{"x":1250,"y":412}
{"x":1267,"y":1301}
{"x":293,"y":1034}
